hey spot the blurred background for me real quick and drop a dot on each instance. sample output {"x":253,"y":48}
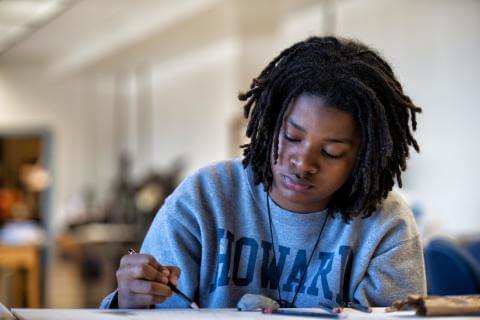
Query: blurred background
{"x":105,"y":105}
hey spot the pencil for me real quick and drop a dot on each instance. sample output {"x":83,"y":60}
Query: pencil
{"x":301,"y":313}
{"x":359,"y":307}
{"x":191,"y":303}
{"x":328,"y":309}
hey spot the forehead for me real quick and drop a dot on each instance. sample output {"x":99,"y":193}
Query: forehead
{"x":311,"y":113}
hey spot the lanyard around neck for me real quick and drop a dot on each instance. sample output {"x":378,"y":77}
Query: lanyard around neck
{"x":284,"y":303}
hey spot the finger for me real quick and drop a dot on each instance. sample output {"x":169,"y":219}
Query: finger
{"x":144,"y":300}
{"x":149,"y":288}
{"x":139,"y":258}
{"x":147,"y":272}
{"x":174,"y":274}
{"x":127,"y":274}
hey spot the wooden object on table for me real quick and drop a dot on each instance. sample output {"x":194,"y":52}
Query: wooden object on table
{"x":439,"y":305}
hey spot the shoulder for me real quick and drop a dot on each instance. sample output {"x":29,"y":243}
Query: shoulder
{"x":225,"y":167}
{"x":394,"y":203}
{"x":390,"y":225}
{"x":200,"y":194}
{"x":394,"y":212}
{"x":221,"y":173}
{"x":211,"y":184}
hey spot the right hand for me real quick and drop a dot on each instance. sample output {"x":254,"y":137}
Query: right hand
{"x":142,"y":281}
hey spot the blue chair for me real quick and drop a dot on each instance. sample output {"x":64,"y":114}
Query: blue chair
{"x":451,"y":270}
{"x":473,"y":247}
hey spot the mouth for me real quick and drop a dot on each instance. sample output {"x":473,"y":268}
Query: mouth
{"x":296,"y":184}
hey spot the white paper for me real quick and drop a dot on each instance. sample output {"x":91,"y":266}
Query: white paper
{"x":184,"y":314}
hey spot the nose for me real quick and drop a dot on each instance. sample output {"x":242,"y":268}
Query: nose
{"x":305,"y":162}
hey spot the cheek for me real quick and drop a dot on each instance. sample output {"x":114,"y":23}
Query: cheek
{"x":339,"y":173}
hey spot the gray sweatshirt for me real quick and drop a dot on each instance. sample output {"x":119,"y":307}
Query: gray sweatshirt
{"x":215,"y":228}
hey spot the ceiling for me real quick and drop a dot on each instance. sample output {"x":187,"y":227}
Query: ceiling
{"x":61,"y":36}
{"x":68,"y":34}
{"x":20,"y":18}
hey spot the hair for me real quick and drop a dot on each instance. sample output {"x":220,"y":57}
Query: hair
{"x":353,"y":78}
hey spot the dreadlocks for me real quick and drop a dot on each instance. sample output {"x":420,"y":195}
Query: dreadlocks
{"x":353,"y":78}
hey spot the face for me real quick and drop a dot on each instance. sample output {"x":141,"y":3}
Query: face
{"x":318,"y":145}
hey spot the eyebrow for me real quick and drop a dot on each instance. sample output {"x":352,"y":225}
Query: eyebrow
{"x":332,"y":140}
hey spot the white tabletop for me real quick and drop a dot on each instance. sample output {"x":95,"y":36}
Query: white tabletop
{"x":180,"y":314}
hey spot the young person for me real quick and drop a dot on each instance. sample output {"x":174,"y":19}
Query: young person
{"x":307,"y":217}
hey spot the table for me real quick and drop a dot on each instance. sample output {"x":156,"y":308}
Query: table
{"x":181,"y":314}
{"x":26,"y":257}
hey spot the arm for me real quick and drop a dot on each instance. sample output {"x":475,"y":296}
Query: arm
{"x":393,"y":274}
{"x":173,"y":240}
{"x":169,"y":242}
{"x":391,"y":256}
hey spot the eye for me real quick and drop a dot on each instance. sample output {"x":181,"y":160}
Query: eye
{"x":291,"y":139}
{"x":331,"y":156}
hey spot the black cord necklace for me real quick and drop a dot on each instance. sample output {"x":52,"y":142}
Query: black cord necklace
{"x":285,"y":303}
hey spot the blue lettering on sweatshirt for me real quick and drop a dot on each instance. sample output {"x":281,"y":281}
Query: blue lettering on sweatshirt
{"x":245,"y":259}
{"x":241,"y":245}
{"x":326,"y":261}
{"x":269,"y":276}
{"x":298,"y":269}
{"x":223,"y":260}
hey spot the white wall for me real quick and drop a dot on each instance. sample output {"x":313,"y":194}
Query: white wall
{"x":175,"y":93}
{"x":434,"y":47}
{"x":179,"y":108}
{"x":195,"y":104}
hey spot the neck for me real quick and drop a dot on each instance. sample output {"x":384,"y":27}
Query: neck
{"x":297,"y":207}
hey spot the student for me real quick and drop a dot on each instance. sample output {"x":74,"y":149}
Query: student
{"x":307,"y":217}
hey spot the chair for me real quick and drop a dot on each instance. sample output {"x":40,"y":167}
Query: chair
{"x":450,"y":269}
{"x":473,"y":247}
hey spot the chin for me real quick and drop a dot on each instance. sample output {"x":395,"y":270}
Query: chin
{"x":296,"y":198}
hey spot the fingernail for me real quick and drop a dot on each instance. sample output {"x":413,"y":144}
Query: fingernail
{"x":166,"y":272}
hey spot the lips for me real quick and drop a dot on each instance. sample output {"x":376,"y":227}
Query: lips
{"x":295,"y":184}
